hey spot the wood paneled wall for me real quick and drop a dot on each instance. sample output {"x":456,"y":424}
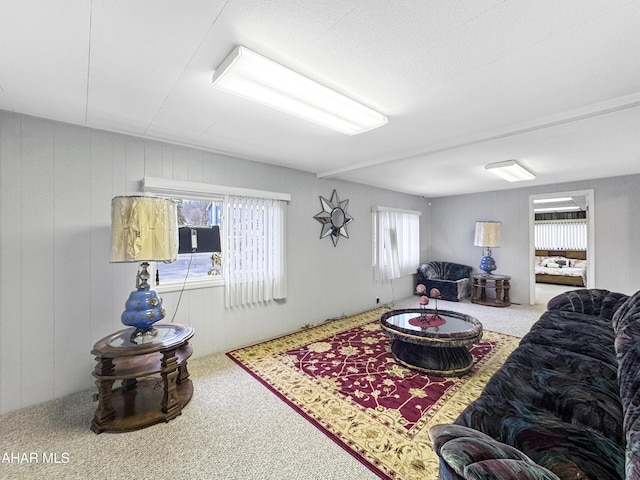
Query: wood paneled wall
{"x":59,"y":294}
{"x":617,"y":231}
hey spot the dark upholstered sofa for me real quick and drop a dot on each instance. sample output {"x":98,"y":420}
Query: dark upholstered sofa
{"x":566,"y":403}
{"x":452,"y":279}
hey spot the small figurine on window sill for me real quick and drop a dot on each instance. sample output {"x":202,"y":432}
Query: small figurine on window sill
{"x":216,"y":264}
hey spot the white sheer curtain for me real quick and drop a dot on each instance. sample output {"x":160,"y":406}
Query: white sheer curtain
{"x":561,"y":235}
{"x":396,"y":243}
{"x":255,"y":267}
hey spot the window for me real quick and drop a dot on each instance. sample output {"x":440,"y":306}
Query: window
{"x":253,"y":233}
{"x":255,"y":268}
{"x":196,"y":267}
{"x":561,"y":235}
{"x":396,"y":242}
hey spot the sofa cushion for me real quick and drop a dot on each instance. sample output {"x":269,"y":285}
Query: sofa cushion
{"x":581,"y":366}
{"x":590,"y":301}
{"x":576,"y":322}
{"x":581,"y":342}
{"x":575,"y":400}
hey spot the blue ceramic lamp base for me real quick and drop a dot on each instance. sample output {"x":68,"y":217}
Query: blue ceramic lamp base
{"x":487,"y":264}
{"x":144,"y":306}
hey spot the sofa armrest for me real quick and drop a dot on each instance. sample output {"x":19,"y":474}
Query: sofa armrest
{"x":507,"y":468}
{"x":627,"y":346}
{"x":473,"y":455}
{"x":590,"y":301}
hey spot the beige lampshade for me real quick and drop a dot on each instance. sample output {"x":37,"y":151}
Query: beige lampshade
{"x":487,"y":234}
{"x":143,"y":229}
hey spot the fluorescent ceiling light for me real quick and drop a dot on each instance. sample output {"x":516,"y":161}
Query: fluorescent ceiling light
{"x":555,"y":209}
{"x":254,"y":77}
{"x":510,"y":170}
{"x":553,"y":200}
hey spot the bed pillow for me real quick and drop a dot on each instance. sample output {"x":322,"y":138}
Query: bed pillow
{"x":544,"y":261}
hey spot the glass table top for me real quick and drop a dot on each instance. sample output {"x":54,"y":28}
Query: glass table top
{"x":445,"y":323}
{"x":164,"y":334}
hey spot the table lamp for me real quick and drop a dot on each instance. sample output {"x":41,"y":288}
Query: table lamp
{"x":143,"y":229}
{"x":487,"y":236}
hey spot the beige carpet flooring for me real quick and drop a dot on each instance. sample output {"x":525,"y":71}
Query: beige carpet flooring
{"x":233,"y":429}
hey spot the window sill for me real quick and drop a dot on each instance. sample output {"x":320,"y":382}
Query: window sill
{"x":190,"y":285}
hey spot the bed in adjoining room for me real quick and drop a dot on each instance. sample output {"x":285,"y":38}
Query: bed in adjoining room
{"x":561,"y":267}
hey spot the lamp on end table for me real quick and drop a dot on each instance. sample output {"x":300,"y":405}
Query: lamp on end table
{"x":487,"y":235}
{"x":143,"y":229}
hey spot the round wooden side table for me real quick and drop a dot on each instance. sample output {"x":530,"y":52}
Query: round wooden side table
{"x":155,"y":384}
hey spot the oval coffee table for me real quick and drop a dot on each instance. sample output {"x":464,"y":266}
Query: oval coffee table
{"x":430,"y":344}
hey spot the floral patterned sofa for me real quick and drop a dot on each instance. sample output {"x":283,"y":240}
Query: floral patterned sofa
{"x":566,"y":403}
{"x":451,"y":279}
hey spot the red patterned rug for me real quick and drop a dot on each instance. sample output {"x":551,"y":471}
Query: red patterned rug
{"x":342,"y":377}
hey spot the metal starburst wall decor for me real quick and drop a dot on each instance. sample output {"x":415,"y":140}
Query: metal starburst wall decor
{"x":334,"y":218}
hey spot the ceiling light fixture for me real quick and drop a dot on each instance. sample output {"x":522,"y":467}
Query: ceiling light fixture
{"x":254,"y":77}
{"x":553,"y":200}
{"x":510,"y":170}
{"x":555,"y":209}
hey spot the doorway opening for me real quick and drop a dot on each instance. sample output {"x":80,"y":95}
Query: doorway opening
{"x":561,"y":261}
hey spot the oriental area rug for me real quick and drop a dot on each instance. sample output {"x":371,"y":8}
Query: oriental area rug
{"x":342,"y":377}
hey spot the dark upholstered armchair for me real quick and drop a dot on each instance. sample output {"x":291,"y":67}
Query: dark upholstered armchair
{"x":452,"y":279}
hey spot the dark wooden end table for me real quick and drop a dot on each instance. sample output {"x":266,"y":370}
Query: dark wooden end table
{"x":500,"y":283}
{"x":439,"y":350}
{"x":155,"y":384}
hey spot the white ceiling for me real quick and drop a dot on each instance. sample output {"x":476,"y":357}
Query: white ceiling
{"x":554,"y":84}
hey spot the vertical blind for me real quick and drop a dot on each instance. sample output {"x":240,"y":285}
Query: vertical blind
{"x":255,"y":267}
{"x":561,"y":235}
{"x":396,"y":243}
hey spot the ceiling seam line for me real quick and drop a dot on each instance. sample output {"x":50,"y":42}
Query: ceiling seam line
{"x":186,"y":65}
{"x":578,"y":118}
